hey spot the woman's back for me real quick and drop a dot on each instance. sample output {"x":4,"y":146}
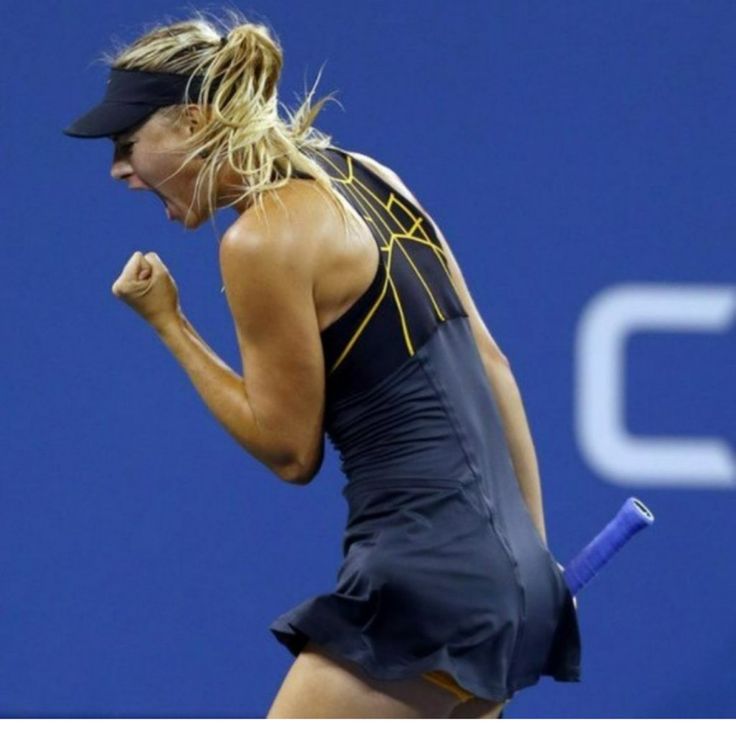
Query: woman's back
{"x":443,"y":568}
{"x":409,"y":295}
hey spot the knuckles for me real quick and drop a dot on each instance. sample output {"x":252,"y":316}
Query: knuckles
{"x":129,"y":285}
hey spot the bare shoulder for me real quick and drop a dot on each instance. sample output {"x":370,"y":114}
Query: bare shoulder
{"x":268,"y":264}
{"x":292,"y":216}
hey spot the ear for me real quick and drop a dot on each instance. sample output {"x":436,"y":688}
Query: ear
{"x":194,"y":117}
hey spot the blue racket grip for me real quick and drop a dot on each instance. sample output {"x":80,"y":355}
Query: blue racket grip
{"x":631,"y":518}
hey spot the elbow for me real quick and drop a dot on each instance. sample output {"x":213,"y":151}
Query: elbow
{"x":300,"y":472}
{"x":303,"y":465}
{"x":297,"y":474}
{"x":294,"y":474}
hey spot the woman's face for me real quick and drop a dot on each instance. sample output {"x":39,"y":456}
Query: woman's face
{"x":149,"y":158}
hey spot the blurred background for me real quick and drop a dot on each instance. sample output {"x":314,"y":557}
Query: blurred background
{"x":578,"y":156}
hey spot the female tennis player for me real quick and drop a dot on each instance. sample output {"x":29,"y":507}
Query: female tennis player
{"x":353,"y":319}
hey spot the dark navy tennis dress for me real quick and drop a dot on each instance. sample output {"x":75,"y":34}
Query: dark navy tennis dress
{"x":443,"y":568}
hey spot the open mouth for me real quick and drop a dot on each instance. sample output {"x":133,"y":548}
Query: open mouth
{"x":170,"y":214}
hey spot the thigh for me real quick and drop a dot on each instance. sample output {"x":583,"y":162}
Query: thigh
{"x":478,"y":708}
{"x":320,"y":686}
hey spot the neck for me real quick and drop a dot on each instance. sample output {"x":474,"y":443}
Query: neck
{"x":230,"y":186}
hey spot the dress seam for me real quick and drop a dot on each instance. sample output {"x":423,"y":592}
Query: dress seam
{"x":439,"y":390}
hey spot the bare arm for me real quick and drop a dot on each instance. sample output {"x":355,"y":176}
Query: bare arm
{"x":267,"y":261}
{"x":223,"y":391}
{"x":275,"y":409}
{"x":497,"y":368}
{"x":146,"y":285}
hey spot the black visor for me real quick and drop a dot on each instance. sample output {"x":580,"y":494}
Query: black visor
{"x":132,"y":96}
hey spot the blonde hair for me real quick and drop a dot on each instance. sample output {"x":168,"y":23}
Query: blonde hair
{"x":241,"y":124}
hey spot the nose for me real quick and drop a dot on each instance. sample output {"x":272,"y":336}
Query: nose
{"x":120,"y":168}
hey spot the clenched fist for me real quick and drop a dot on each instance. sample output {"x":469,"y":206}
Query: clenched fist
{"x":146,"y":285}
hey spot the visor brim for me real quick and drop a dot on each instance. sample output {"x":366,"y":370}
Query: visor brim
{"x":110,"y":118}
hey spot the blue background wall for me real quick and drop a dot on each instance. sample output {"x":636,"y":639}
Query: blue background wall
{"x":579,"y":156}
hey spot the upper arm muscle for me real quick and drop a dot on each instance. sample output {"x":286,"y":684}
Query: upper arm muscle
{"x":269,"y":287}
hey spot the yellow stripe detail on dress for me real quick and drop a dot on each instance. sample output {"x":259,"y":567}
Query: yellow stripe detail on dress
{"x":424,"y":283}
{"x":386,"y":206}
{"x":404,"y":326}
{"x":355,"y":185}
{"x":340,"y":178}
{"x":372,"y":310}
{"x":436,"y":248}
{"x":362,"y":325}
{"x":350,"y":179}
{"x":417,"y":221}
